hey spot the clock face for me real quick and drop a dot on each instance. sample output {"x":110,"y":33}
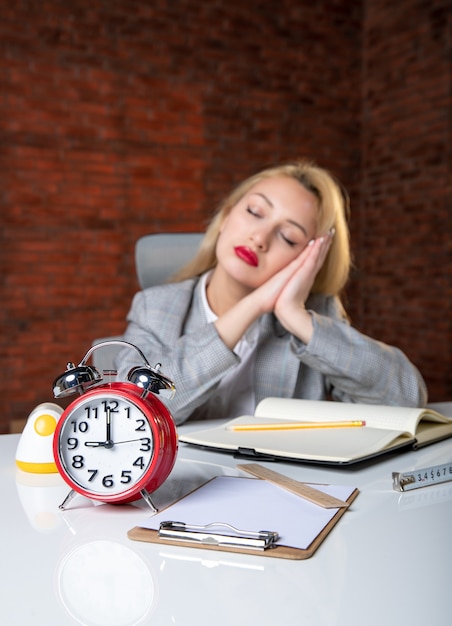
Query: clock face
{"x":105,"y":445}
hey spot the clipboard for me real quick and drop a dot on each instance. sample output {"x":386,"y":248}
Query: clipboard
{"x":314,"y":521}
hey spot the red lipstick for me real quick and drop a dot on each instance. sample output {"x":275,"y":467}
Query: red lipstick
{"x":247,"y":255}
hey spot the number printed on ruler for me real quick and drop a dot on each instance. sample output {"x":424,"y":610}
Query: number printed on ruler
{"x":404,"y":481}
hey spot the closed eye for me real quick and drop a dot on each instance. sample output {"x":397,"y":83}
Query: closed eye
{"x":289,"y":241}
{"x":253,"y":211}
{"x":260,"y":213}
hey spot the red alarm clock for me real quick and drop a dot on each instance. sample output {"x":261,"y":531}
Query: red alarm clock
{"x":117,"y":441}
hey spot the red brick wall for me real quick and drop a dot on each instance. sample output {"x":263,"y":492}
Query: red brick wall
{"x":404,"y":279}
{"x":122,"y":118}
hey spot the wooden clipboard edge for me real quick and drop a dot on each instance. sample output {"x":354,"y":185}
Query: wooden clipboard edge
{"x":333,"y":521}
{"x":282,"y":552}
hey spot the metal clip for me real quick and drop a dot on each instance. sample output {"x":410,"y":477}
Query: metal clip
{"x":231,"y":537}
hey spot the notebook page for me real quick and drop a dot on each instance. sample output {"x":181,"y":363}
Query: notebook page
{"x":377,"y":416}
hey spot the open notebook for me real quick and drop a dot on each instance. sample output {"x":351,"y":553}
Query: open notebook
{"x":387,"y":428}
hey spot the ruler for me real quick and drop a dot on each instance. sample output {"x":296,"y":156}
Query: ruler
{"x":294,"y":486}
{"x":434,"y":475}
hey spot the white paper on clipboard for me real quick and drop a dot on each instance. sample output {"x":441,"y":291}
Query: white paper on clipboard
{"x":251,"y":504}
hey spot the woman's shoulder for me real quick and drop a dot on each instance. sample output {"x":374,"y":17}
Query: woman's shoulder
{"x":153,"y":301}
{"x":326,"y":305}
{"x":169,"y":290}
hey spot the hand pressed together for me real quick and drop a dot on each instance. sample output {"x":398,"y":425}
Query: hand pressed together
{"x":289,"y":307}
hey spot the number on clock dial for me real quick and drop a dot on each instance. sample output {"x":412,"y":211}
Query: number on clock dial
{"x":106,"y":445}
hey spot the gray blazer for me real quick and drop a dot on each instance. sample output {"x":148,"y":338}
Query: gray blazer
{"x":168,"y":324}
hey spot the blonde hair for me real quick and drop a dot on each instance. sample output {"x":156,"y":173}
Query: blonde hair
{"x":333,"y":213}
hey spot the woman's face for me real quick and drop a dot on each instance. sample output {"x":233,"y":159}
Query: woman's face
{"x":271,"y":224}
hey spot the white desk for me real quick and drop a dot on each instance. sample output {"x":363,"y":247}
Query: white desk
{"x":388,"y":561}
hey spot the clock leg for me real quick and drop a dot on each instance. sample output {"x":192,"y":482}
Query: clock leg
{"x":67,"y":499}
{"x":147,"y":498}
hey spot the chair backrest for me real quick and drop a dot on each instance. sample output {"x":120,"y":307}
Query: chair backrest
{"x":159,"y":255}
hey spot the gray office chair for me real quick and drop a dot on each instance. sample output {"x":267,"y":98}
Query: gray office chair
{"x":157,"y":257}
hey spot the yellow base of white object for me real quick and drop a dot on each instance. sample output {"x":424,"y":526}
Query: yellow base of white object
{"x":34,"y":453}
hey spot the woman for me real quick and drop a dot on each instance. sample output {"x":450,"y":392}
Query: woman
{"x":257,"y":312}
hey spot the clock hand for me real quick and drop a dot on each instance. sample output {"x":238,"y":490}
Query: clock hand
{"x":108,"y":441}
{"x":110,"y":444}
{"x":131,"y":440}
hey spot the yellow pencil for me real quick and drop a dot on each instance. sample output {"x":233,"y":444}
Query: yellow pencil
{"x":298,"y":425}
